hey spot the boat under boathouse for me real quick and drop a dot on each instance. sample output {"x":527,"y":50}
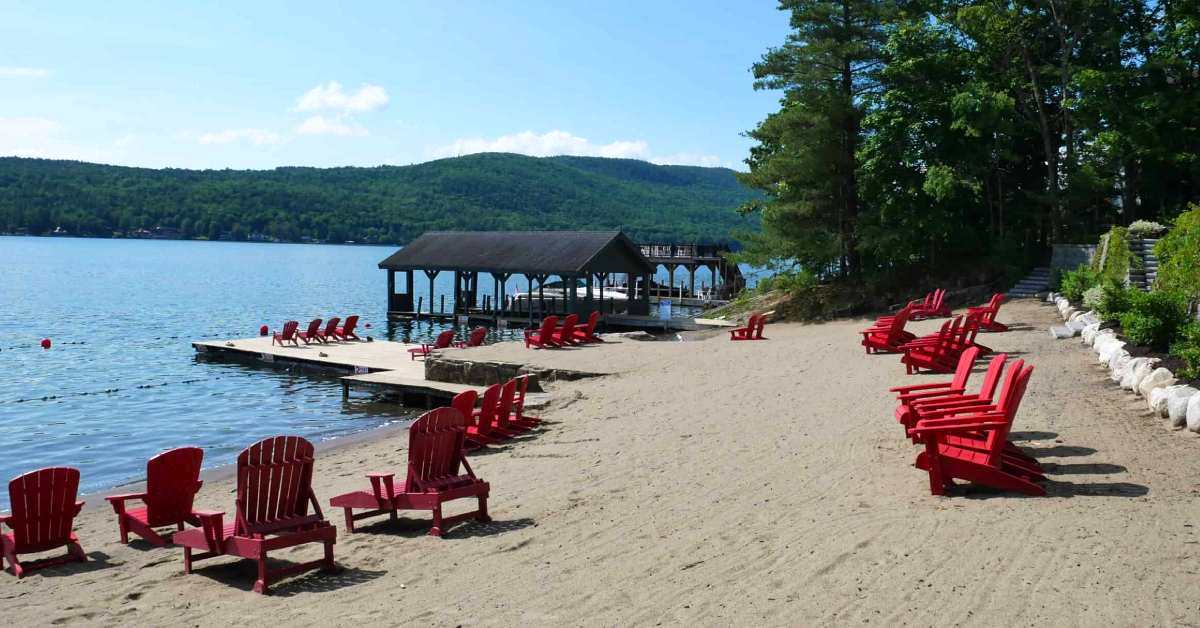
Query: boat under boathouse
{"x":581,"y":264}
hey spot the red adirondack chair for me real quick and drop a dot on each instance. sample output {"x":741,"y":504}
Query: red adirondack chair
{"x":288,"y":334}
{"x":587,"y":333}
{"x":501,"y":423}
{"x":475,"y":338}
{"x":346,"y":332}
{"x":518,"y":415}
{"x":987,"y":314}
{"x":565,"y":335}
{"x":438,"y":472}
{"x":939,"y":352}
{"x":481,"y":422}
{"x":43,"y":511}
{"x":890,"y":337}
{"x":464,"y":402}
{"x":443,"y":341}
{"x":313,"y":333}
{"x":543,"y":337}
{"x":330,"y":333}
{"x":172,"y":481}
{"x":982,"y":461}
{"x":906,"y":396}
{"x":274,"y":492}
{"x":747,"y":332}
{"x":913,"y":408}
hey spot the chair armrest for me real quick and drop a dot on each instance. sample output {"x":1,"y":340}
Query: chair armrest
{"x":118,"y":501}
{"x":78,"y":507}
{"x":963,"y":409}
{"x":920,"y":430}
{"x":964,"y":418}
{"x":905,"y":389}
{"x":930,"y":394}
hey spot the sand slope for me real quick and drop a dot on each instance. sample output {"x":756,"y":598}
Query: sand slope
{"x":720,"y":483}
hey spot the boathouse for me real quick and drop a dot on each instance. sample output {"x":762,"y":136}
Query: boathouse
{"x":582,"y":261}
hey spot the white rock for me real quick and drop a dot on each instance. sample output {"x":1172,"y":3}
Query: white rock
{"x":1110,"y":349}
{"x":1058,"y":332}
{"x":1089,"y":333}
{"x":1076,"y":325}
{"x":1134,"y":372}
{"x":1177,"y":404}
{"x":1158,"y":400}
{"x":1119,"y":365}
{"x":1068,"y":313}
{"x":1159,"y":378}
{"x":1051,"y":297}
{"x":1193,"y":413}
{"x":1074,"y":316}
{"x":1090,"y":318}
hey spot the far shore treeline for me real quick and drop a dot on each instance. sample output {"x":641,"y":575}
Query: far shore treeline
{"x":385,"y":205}
{"x":922,"y":141}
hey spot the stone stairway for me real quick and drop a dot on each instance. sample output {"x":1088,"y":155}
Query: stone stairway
{"x":1143,"y":249}
{"x":1037,"y":281}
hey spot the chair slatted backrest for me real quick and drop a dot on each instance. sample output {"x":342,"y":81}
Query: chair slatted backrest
{"x":464,"y":402}
{"x":1010,"y":402}
{"x":331,"y":327}
{"x":939,"y":297}
{"x":43,"y":507}
{"x":487,"y":407}
{"x":548,"y":325}
{"x":351,"y":324}
{"x":289,"y":329}
{"x":965,"y":362}
{"x":593,"y":319}
{"x":519,"y":405}
{"x":568,"y":326}
{"x":477,"y":337}
{"x":314,"y":326}
{"x":435,"y":447}
{"x":172,"y":479}
{"x":275,"y":486}
{"x":758,"y":326}
{"x":444,"y":339}
{"x":504,"y":405}
{"x":898,"y":322}
{"x":992,"y":377}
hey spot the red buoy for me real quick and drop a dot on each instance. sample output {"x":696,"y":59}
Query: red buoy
{"x":262,"y":331}
{"x":45,"y":343}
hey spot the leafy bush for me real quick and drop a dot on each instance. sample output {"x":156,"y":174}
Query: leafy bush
{"x":1187,"y":348}
{"x":1117,"y":256}
{"x":1114,"y":300}
{"x":1154,"y":319}
{"x":1076,"y":282}
{"x":1145,"y":228}
{"x":790,"y":282}
{"x":1092,"y":297}
{"x":1179,"y":255}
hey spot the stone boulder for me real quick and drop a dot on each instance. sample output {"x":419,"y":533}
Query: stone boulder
{"x":1118,"y":366}
{"x":1177,"y":404}
{"x":1158,"y":400}
{"x":1058,"y":332}
{"x":1137,"y":369}
{"x":1193,"y":413}
{"x":1109,"y":350}
{"x":1159,"y":378}
{"x":1089,"y":333}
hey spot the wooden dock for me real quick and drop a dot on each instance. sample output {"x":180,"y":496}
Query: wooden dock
{"x":380,"y":365}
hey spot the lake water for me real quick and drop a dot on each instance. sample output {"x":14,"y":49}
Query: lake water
{"x":122,"y":381}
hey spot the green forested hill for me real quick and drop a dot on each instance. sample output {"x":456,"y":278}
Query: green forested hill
{"x":387,"y":204}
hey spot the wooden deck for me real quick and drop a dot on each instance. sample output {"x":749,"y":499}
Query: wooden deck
{"x":381,"y":364}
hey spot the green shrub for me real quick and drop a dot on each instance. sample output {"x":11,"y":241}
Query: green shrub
{"x":1179,"y":255}
{"x":1114,"y":300}
{"x":1145,"y":228}
{"x":1092,"y":297}
{"x":1118,"y":258}
{"x":1187,"y":348}
{"x":1155,"y":319}
{"x":1076,"y":282}
{"x":790,"y":282}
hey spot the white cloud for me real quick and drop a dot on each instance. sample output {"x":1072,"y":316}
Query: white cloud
{"x":258,"y":137}
{"x":564,"y":143}
{"x":331,"y":97}
{"x":19,"y":72}
{"x":25,"y":129}
{"x":337,"y":125}
{"x":543,"y":145}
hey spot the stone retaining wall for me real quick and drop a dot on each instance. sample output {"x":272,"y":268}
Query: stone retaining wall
{"x":483,"y":373}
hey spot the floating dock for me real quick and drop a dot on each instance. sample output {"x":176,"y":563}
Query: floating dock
{"x":380,"y":364}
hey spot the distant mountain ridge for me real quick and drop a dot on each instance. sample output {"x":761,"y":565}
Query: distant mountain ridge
{"x":385,"y":204}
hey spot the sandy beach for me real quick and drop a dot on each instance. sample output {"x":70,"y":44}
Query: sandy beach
{"x":716,"y":483}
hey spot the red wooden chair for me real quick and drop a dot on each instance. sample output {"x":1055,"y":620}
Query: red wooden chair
{"x":464,"y":402}
{"x":518,"y":415}
{"x":438,"y":472}
{"x":587,"y":333}
{"x":313,"y":333}
{"x":443,"y":341}
{"x":288,"y":334}
{"x":481,"y":422}
{"x":938,"y":308}
{"x":914,"y":407}
{"x":987,"y":314}
{"x":43,"y":511}
{"x":747,"y":332}
{"x":274,"y":492}
{"x":172,"y":481}
{"x":543,"y":337}
{"x":977,"y":454}
{"x":501,"y":423}
{"x":346,"y":332}
{"x":565,"y":335}
{"x":907,"y":396}
{"x":890,"y":337}
{"x":330,"y":332}
{"x":474,"y":339}
{"x":940,"y":352}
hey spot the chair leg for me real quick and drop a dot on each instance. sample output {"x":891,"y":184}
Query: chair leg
{"x":349,"y":520}
{"x":329,"y":566}
{"x":187,"y":560}
{"x":75,"y":550}
{"x":436,"y":530}
{"x":482,"y":515}
{"x":261,"y":585}
{"x":123,"y":525}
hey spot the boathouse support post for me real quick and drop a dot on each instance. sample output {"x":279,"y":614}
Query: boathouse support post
{"x":590,"y":297}
{"x":391,"y":288}
{"x":603,"y":277}
{"x":431,"y":275}
{"x":529,"y":297}
{"x":457,"y":294}
{"x":692,"y":270}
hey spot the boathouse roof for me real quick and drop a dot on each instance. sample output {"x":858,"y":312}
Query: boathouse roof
{"x":522,"y":252}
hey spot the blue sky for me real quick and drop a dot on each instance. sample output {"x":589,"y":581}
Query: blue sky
{"x":259,"y":85}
